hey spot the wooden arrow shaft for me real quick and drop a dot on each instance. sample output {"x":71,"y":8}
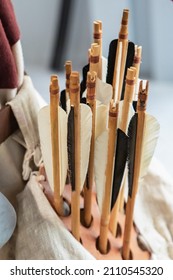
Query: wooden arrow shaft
{"x":97,"y":35}
{"x":94,"y":58}
{"x":131,"y":200}
{"x":75,"y":199}
{"x":54,"y":117}
{"x":123,"y":38}
{"x":88,"y":187}
{"x":105,"y":215}
{"x":128,"y":96}
{"x":90,"y":176}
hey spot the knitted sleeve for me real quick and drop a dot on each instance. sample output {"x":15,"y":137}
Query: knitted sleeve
{"x":9,"y":22}
{"x":9,"y":36}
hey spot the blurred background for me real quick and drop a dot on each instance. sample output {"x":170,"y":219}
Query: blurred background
{"x":59,"y":30}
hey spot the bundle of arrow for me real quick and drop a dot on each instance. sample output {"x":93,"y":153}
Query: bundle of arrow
{"x":99,"y":136}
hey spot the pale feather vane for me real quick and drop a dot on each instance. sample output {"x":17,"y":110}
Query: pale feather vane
{"x":46,"y":146}
{"x":151,"y":134}
{"x":86,"y":128}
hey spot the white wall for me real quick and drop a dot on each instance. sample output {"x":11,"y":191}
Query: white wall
{"x":37,"y":20}
{"x":109,"y":12}
{"x":162,"y":39}
{"x":150,"y":25}
{"x":153,"y":28}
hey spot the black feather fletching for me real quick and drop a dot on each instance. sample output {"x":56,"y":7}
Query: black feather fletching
{"x":134,"y":104}
{"x":63,"y":100}
{"x":71,"y":147}
{"x":129,"y":63}
{"x":132,"y":132}
{"x":111,"y":62}
{"x":84,"y":80}
{"x":120,"y":163}
{"x":83,"y":100}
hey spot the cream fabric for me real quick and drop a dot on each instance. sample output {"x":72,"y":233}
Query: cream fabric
{"x":25,"y":108}
{"x":20,"y":152}
{"x":154,"y":211}
{"x":11,"y":159}
{"x":41,"y":234}
{"x":40,"y":227}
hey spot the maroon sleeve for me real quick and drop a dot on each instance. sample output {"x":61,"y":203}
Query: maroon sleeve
{"x":9,"y":22}
{"x":8,"y":72}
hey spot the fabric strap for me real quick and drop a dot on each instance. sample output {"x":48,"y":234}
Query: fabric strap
{"x":8,"y":123}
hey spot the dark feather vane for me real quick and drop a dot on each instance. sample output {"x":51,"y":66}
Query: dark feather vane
{"x":119,"y":166}
{"x":129,"y":63}
{"x":63,"y":100}
{"x":132,"y":131}
{"x":134,"y":104}
{"x":83,"y":83}
{"x":111,"y":62}
{"x":71,"y":147}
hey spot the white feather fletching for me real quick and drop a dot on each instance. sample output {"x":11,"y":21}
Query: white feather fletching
{"x":130,"y":114}
{"x":101,"y":151}
{"x":151,"y":134}
{"x":86,"y":130}
{"x":100,"y":162}
{"x":101,"y":119}
{"x":103,"y":92}
{"x":46,"y":146}
{"x":68,"y":106}
{"x":104,"y":68}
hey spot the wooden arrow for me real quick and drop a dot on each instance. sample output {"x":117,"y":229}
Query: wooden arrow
{"x":54,"y":120}
{"x":143,"y":134}
{"x":88,"y":187}
{"x":97,"y":36}
{"x":121,"y":152}
{"x":136,"y":67}
{"x":105,"y":214}
{"x":74,"y":152}
{"x":126,"y":58}
{"x":65,"y":94}
{"x":94,"y":58}
{"x":52,"y":123}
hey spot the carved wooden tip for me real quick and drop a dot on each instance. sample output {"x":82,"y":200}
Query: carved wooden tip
{"x":95,"y":49}
{"x":125,"y":17}
{"x":53,"y":77}
{"x":113,"y":109}
{"x":134,"y":69}
{"x":142,"y":96}
{"x":139,"y":51}
{"x":123,"y":34}
{"x":138,"y":54}
{"x":89,"y":55}
{"x":91,"y":85}
{"x":97,"y":29}
{"x":99,"y":24}
{"x":130,"y":77}
{"x":91,"y":77}
{"x":131,"y":73}
{"x":68,"y":67}
{"x":94,"y":53}
{"x":74,"y":88}
{"x":54,"y":85}
{"x":74,"y":78}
